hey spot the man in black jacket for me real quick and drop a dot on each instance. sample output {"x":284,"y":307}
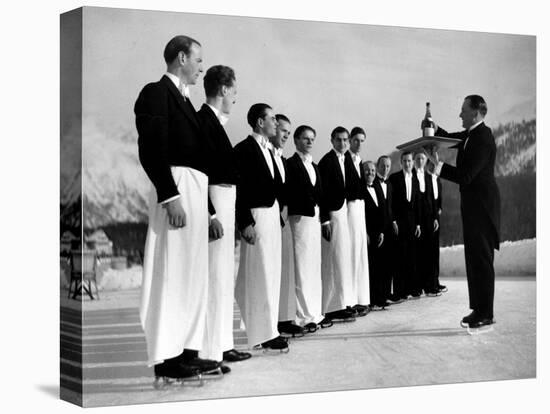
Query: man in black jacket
{"x":175,"y":277}
{"x":258,"y":219}
{"x":407,"y":222}
{"x":480,"y":205}
{"x":220,"y":87}
{"x":336,"y":258}
{"x":429,"y":224}
{"x":304,"y":191}
{"x":374,"y":215}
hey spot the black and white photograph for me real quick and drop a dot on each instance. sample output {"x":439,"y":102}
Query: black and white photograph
{"x":296,"y":205}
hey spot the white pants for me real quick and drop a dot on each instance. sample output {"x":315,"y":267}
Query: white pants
{"x":259,"y":277}
{"x":336,"y":264}
{"x":221,"y":272}
{"x":287,"y":301}
{"x":359,"y":253}
{"x":306,"y":234}
{"x":175,"y":272}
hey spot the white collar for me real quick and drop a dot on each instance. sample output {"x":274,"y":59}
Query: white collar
{"x":475,"y":125}
{"x":355,"y":157}
{"x":305,"y":157}
{"x":407,"y":174}
{"x":339,"y":154}
{"x":177,"y":81}
{"x":261,"y":140}
{"x":221,"y":116}
{"x":419,"y":171}
{"x":382,"y":178}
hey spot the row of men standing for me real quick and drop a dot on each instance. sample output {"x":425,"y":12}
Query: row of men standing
{"x":303,"y":260}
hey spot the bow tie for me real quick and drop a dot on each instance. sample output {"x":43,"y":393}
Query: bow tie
{"x":306,"y":158}
{"x":264,"y":143}
{"x":370,"y":185}
{"x":356,"y":158}
{"x":278,"y":152}
{"x":184,"y":90}
{"x":340,"y":156}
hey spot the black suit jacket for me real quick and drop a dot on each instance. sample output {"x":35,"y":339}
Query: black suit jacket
{"x":374,"y":214}
{"x":334,"y":189}
{"x":386,"y":203}
{"x":282,"y":191}
{"x":302,"y":196}
{"x":405,"y":213}
{"x":355,"y":184}
{"x":426,"y":203}
{"x":475,"y":174}
{"x":256,"y":187}
{"x":168,"y":135}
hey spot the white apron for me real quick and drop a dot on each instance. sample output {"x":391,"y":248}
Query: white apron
{"x":359,"y":253}
{"x":175,"y":271}
{"x":306,"y":234}
{"x":336,"y":264}
{"x":259,"y":277}
{"x":287,"y":301}
{"x":221,"y":272}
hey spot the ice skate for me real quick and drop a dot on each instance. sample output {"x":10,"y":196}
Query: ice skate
{"x":208,"y":368}
{"x":275,"y":346}
{"x":340,"y":316}
{"x":325,"y":323}
{"x":170,"y":375}
{"x":359,"y":310}
{"x":480,"y":326}
{"x":290,"y":329}
{"x":311,"y":327}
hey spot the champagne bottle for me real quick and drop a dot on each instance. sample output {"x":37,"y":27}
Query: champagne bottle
{"x":428,"y":126}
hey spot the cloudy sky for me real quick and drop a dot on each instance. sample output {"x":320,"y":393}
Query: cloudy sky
{"x":317,"y":73}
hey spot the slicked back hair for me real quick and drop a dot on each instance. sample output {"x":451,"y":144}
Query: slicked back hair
{"x":256,"y":112}
{"x":281,"y":117}
{"x":382,"y":157}
{"x":406,"y":153}
{"x":178,"y":44}
{"x":216,"y":77}
{"x":338,"y":130}
{"x":302,"y":128}
{"x":357,"y":130}
{"x":477,"y":103}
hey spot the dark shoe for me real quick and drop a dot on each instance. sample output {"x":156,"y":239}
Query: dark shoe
{"x":235,"y":356}
{"x":394,"y":299}
{"x":277,"y":343}
{"x":377,"y":307}
{"x":480,"y":322}
{"x":361,"y":310}
{"x":325,"y":323}
{"x":203,"y":365}
{"x":311,"y":327}
{"x":289,"y":328}
{"x":342,"y":315}
{"x":415,"y":295}
{"x":467,"y":319}
{"x":225,"y":369}
{"x":433,"y":293}
{"x":442,"y":288}
{"x":175,"y":370}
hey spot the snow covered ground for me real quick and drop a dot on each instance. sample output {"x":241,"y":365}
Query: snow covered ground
{"x":514,"y":259}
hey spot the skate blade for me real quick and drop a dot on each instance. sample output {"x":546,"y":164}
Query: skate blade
{"x":215,"y":374}
{"x":161,"y":383}
{"x":269,"y":351}
{"x":290,"y":336}
{"x":479,"y":331}
{"x":344,"y":320}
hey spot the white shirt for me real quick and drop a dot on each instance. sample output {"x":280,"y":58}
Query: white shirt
{"x":422,"y":183}
{"x":221,"y":117}
{"x":182,"y":87}
{"x":383,"y":185}
{"x":307,"y":160}
{"x":434,"y":186}
{"x":356,"y":161}
{"x":341,"y":159}
{"x":408,"y":184}
{"x":372,"y":193}
{"x":263,"y":143}
{"x":277,"y":154}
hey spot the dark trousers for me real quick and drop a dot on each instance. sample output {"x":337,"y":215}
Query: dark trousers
{"x":405,"y":281}
{"x":479,"y":254}
{"x":377,"y":280}
{"x":435,"y":256}
{"x":388,"y":262}
{"x":426,"y":276}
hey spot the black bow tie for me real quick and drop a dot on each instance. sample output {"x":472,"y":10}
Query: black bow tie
{"x":369,"y":185}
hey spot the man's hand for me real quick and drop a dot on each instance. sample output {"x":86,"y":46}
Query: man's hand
{"x":176,"y":213}
{"x":380,"y":239}
{"x":327,"y":231}
{"x":395,"y":228}
{"x":215,"y":230}
{"x":417,"y":232}
{"x":436,"y":225}
{"x":249,"y":234}
{"x":432,"y":154}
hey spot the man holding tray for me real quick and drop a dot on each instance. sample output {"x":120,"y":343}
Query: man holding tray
{"x":480,"y":205}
